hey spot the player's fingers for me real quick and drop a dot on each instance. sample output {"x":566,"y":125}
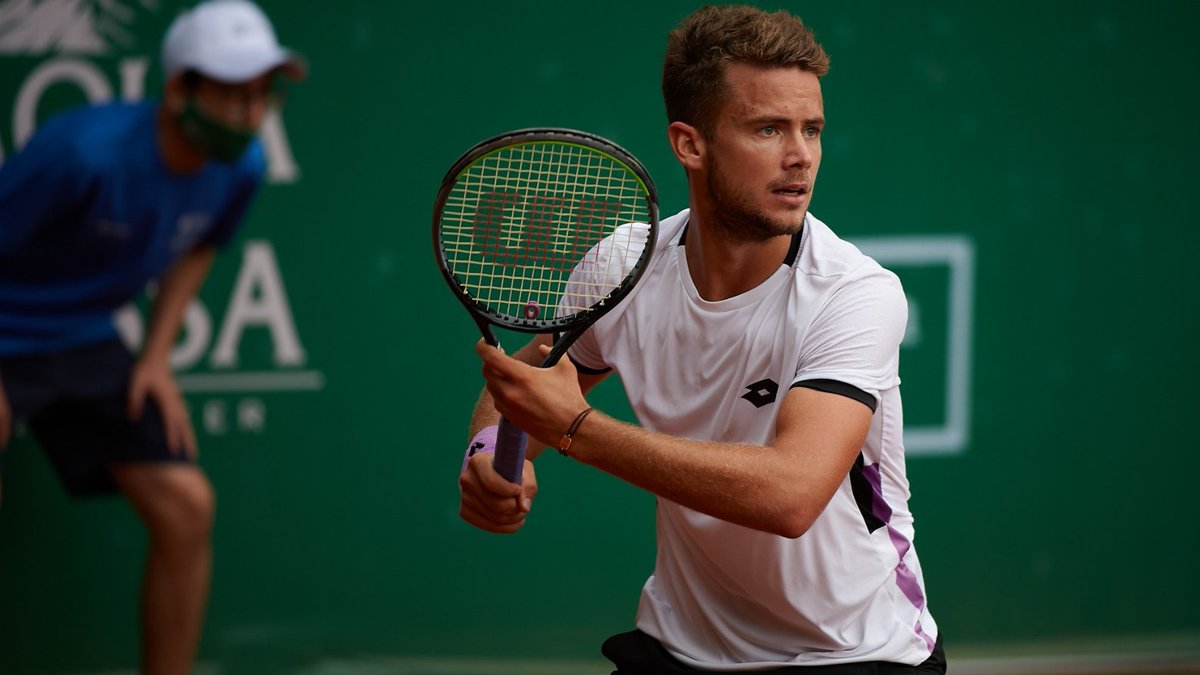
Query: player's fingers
{"x":529,"y":485}
{"x":485,"y":471}
{"x":495,"y":513}
{"x":487,"y":524}
{"x":481,"y":480}
{"x":177,"y":426}
{"x":175,"y":433}
{"x":483,"y":500}
{"x":189,"y":437}
{"x":502,"y":507}
{"x":486,"y":351}
{"x":137,"y":397}
{"x":497,"y":364}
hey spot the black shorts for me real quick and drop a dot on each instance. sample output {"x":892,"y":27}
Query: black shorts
{"x":636,"y":653}
{"x":74,"y":402}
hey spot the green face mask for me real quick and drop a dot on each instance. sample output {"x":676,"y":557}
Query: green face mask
{"x":217,"y":141}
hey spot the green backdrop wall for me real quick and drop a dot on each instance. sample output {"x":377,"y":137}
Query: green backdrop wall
{"x":1027,"y":168}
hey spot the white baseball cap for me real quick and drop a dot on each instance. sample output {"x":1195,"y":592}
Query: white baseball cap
{"x":227,"y":40}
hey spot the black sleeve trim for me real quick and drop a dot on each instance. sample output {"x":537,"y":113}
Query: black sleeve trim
{"x":840,"y":388}
{"x":588,"y":371}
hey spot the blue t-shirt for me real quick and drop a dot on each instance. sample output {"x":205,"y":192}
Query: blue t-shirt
{"x":89,"y":214}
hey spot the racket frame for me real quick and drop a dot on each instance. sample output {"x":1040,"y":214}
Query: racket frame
{"x":565,"y":330}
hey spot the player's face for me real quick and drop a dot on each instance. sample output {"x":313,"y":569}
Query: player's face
{"x":763,"y":154}
{"x":238,"y":106}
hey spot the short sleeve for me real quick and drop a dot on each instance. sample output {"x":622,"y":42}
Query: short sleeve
{"x":601,"y":270}
{"x":855,"y":338}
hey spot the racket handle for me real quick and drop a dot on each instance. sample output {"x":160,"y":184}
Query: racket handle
{"x":509,"y":460}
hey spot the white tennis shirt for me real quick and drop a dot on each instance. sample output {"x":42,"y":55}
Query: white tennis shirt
{"x":727,"y":597}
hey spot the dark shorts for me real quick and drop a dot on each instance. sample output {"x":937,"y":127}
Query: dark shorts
{"x":74,"y":403}
{"x":636,"y":653}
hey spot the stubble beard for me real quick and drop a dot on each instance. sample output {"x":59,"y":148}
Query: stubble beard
{"x":734,"y":214}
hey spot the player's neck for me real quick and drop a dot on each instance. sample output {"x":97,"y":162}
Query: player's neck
{"x":177,"y":153}
{"x":722,"y":266}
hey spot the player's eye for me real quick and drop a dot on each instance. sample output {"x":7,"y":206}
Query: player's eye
{"x":768,"y":131}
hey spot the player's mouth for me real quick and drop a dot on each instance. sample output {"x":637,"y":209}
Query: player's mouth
{"x":792,"y":192}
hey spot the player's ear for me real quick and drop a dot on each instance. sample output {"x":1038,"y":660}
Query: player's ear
{"x":687,"y":143}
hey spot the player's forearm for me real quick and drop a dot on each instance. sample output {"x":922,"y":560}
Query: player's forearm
{"x":485,"y":415}
{"x":175,"y":290}
{"x":760,"y":487}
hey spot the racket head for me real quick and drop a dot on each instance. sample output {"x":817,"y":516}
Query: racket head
{"x":519,"y":212}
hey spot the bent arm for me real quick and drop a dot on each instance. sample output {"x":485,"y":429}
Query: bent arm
{"x":175,"y":290}
{"x":780,"y":487}
{"x":485,"y":413}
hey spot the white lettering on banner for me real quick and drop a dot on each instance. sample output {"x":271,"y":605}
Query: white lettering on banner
{"x":251,"y":416}
{"x":281,"y":163}
{"x":77,"y":26}
{"x":197,"y":331}
{"x":82,"y":73}
{"x":281,"y":166}
{"x":133,"y":79}
{"x":259,"y":300}
{"x":213,"y":415}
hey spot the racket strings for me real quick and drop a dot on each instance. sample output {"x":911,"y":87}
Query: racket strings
{"x":519,"y":221}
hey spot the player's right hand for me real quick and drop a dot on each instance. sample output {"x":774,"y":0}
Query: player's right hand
{"x":154,"y":380}
{"x":490,"y":502}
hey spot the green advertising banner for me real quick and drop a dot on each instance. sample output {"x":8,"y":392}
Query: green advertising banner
{"x":1025,"y":168}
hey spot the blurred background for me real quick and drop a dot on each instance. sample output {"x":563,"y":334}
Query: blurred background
{"x":1025,"y":167}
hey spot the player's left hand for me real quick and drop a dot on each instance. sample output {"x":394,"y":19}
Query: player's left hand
{"x":489,"y":501}
{"x":155,"y":380}
{"x":541,"y":401}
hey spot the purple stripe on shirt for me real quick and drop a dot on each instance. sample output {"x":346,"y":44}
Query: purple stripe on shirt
{"x":906,"y":580}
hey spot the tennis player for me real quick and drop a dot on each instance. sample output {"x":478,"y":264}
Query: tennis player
{"x":101,"y":201}
{"x":760,"y":354}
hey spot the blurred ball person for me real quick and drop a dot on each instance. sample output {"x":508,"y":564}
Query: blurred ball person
{"x":102,"y":201}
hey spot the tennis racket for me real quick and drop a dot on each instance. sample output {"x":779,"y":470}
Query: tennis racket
{"x":542,"y":231}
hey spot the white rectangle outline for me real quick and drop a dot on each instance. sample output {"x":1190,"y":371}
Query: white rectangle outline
{"x":958,"y":252}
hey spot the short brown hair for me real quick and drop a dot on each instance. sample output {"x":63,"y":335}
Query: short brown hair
{"x":711,"y":38}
